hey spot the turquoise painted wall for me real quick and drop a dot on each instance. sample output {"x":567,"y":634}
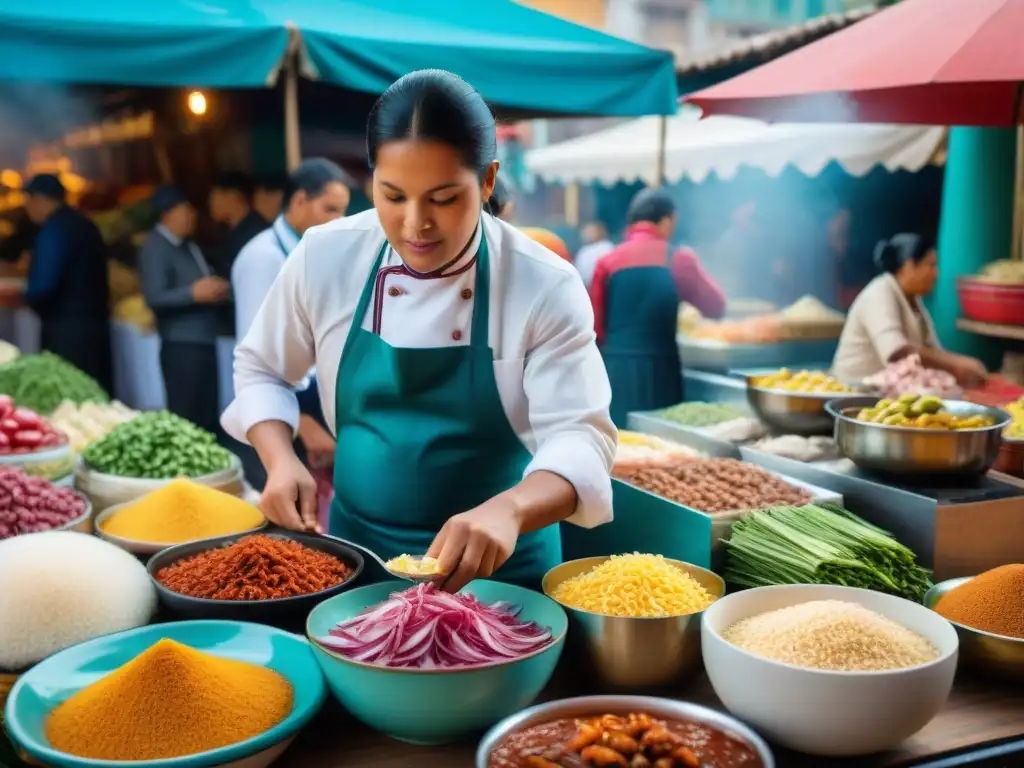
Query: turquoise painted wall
{"x":975,"y":227}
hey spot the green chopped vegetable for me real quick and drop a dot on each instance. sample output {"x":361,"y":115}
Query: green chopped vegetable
{"x":157,"y":445}
{"x":698,"y":414}
{"x":821,"y":544}
{"x":42,"y":382}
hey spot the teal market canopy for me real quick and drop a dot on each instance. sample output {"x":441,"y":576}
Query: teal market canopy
{"x":516,"y":57}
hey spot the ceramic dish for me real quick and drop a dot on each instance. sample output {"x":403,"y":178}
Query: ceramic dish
{"x":57,"y":678}
{"x":823,"y":712}
{"x":437,"y":706}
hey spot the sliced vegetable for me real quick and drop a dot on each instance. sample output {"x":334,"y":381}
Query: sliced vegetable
{"x":821,"y":544}
{"x":425,"y":628}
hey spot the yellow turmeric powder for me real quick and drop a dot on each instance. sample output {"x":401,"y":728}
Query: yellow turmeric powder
{"x":182,"y":511}
{"x":170,"y":701}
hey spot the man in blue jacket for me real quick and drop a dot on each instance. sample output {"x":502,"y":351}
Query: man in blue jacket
{"x":67,"y":282}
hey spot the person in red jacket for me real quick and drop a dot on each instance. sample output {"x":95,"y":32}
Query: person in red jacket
{"x":636,"y":292}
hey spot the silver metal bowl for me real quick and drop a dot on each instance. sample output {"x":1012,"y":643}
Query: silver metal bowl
{"x":792,"y":413}
{"x":894,"y":450}
{"x":592,"y":706}
{"x":983,"y":651}
{"x":637,"y":652}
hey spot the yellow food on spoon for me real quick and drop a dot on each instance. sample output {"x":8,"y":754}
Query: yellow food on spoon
{"x":414,"y":566}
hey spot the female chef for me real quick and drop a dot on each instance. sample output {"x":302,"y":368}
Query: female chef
{"x":456,"y":360}
{"x":888,"y":321}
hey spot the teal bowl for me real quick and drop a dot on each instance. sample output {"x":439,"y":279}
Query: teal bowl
{"x":437,"y":706}
{"x":56,"y":679}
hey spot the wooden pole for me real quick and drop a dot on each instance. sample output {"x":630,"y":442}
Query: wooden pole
{"x":659,"y":171}
{"x":292,"y":141}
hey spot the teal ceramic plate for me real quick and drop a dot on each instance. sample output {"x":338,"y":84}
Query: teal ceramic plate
{"x":437,"y":706}
{"x":57,"y":678}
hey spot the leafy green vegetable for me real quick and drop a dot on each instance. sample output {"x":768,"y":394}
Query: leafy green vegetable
{"x":41,"y":382}
{"x":821,"y":544}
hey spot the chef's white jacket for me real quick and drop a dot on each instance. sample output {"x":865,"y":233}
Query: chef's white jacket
{"x":550,"y":375}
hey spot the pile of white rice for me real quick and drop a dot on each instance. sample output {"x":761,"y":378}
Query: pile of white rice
{"x":61,"y":588}
{"x":833,"y":635}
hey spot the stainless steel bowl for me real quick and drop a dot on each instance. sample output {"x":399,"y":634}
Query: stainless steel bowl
{"x":983,"y":651}
{"x":592,"y":706}
{"x":897,"y":450}
{"x":637,"y":652}
{"x":792,"y":413}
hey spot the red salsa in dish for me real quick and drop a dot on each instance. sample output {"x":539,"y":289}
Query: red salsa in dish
{"x":636,"y":740}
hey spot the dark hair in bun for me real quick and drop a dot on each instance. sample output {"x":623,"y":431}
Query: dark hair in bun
{"x":905,"y":247}
{"x":434,"y":105}
{"x":499,"y":199}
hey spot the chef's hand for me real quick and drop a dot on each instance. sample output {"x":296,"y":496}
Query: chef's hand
{"x":474,"y":544}
{"x":318,"y":442}
{"x":969,"y":372}
{"x":289,"y":497}
{"x":210,"y":290}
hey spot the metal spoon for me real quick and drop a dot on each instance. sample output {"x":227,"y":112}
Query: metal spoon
{"x":416,"y":578}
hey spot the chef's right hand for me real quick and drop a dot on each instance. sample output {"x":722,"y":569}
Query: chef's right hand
{"x":210,"y":290}
{"x":969,"y":372}
{"x":289,"y":497}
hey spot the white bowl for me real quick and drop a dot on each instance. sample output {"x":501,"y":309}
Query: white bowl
{"x":820,"y":712}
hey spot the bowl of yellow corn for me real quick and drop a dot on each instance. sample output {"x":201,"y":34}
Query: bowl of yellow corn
{"x":793,"y":402}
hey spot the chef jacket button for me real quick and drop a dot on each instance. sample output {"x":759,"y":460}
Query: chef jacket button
{"x":456,"y":335}
{"x":392,"y":291}
{"x":467,"y":293}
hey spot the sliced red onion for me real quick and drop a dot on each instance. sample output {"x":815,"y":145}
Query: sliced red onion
{"x":425,"y":628}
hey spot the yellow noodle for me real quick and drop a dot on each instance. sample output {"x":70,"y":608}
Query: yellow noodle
{"x":640,"y":586}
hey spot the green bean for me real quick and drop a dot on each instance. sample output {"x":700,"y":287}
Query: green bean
{"x":157,"y":445}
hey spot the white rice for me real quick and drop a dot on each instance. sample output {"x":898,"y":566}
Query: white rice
{"x":61,"y":588}
{"x":832,"y":635}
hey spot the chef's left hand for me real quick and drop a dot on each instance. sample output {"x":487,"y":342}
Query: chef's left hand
{"x":474,"y":544}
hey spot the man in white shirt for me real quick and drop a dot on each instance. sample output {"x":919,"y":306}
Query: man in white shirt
{"x":596,"y":246}
{"x":315,"y":193}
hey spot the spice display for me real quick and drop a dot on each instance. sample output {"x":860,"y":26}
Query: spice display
{"x":638,"y":586}
{"x":908,"y":374}
{"x":256,"y":567}
{"x":636,"y":450}
{"x":414,"y":566}
{"x":425,"y":628}
{"x":170,"y":701}
{"x":716,"y":485}
{"x":633,"y":740}
{"x":799,"y":448}
{"x":698,"y":414}
{"x":833,"y":635}
{"x":42,"y":382}
{"x":820,"y":544}
{"x":991,"y":602}
{"x":920,"y":412}
{"x":24,"y":431}
{"x":60,"y":588}
{"x":30,"y":504}
{"x":159,"y":445}
{"x":805,"y":382}
{"x":182,"y":511}
{"x":85,"y":423}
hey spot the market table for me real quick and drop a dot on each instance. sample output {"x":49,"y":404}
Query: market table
{"x":979,"y":715}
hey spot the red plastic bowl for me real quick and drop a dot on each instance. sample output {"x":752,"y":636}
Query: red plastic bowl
{"x":995,"y":303}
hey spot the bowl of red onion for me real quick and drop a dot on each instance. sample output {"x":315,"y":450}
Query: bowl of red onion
{"x":428,"y":667}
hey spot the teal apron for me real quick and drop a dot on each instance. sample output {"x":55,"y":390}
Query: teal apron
{"x":422,"y":436}
{"x":639,"y":348}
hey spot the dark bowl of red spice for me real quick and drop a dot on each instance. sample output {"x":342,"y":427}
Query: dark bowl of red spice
{"x":273,"y":577}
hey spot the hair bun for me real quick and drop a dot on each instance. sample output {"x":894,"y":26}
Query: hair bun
{"x":887,"y":256}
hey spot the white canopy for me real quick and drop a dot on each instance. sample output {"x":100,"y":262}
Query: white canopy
{"x":694,"y":148}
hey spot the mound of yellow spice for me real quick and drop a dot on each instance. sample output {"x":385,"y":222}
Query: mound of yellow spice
{"x":170,"y":701}
{"x":182,"y":511}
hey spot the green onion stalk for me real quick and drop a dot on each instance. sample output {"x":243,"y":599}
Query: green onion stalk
{"x":821,"y":544}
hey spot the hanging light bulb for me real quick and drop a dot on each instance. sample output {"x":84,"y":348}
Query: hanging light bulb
{"x":197,"y":103}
